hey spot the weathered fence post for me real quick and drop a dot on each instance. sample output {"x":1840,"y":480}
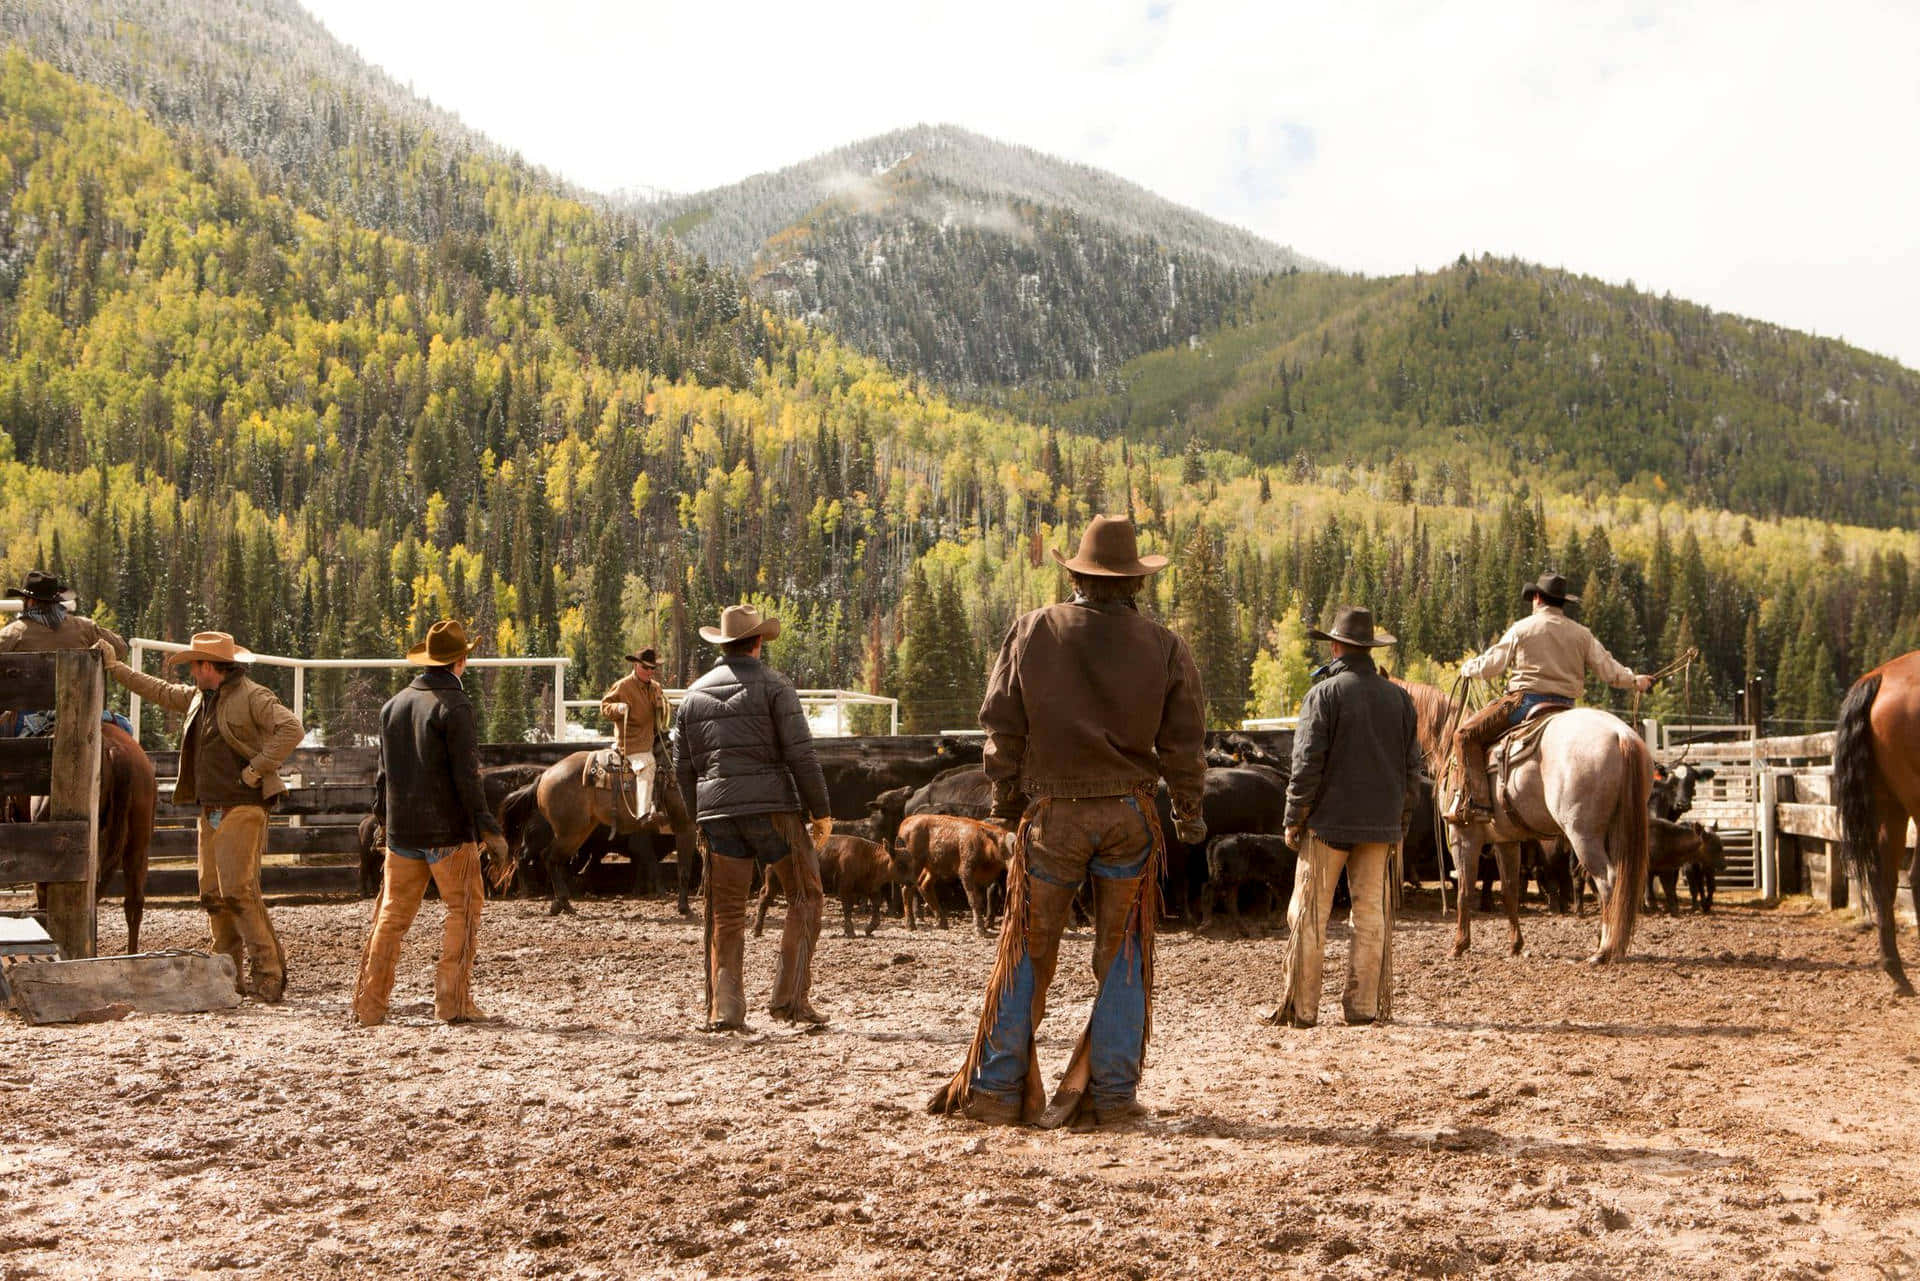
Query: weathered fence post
{"x":79,"y":689}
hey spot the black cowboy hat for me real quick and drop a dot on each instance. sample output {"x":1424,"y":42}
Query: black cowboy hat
{"x":1353,"y":625}
{"x":1550,"y":587}
{"x":42,"y":586}
{"x":644,"y":656}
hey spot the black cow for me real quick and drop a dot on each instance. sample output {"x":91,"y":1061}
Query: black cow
{"x":1673,"y":789}
{"x":963,"y":792}
{"x":857,"y":774}
{"x":1244,"y":798}
{"x":1245,"y":858}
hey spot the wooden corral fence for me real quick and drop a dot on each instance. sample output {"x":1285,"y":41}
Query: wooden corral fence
{"x":1778,"y":794}
{"x":62,"y":852}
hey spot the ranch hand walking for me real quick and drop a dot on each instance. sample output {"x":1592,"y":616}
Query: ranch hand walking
{"x":236,"y":737}
{"x":1089,"y":704}
{"x":427,"y":796}
{"x":1356,"y":761}
{"x":744,"y":753}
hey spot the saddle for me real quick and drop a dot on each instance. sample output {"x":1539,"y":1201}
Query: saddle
{"x":1512,"y":750}
{"x":605,"y":770}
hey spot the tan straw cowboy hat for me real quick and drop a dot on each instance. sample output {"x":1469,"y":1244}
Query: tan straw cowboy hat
{"x":1353,"y":625}
{"x":740,"y":622}
{"x":1109,"y":549}
{"x":445,"y":645}
{"x":213,"y":647}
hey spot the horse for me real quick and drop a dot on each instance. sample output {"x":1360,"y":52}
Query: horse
{"x":129,"y":792}
{"x":569,"y":811}
{"x":1876,"y":783}
{"x":1587,"y":784}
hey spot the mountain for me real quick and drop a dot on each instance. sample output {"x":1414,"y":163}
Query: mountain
{"x":973,"y":262}
{"x":1511,"y":368}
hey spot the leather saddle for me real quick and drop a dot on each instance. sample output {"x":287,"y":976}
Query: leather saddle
{"x":605,"y":770}
{"x":1512,"y":750}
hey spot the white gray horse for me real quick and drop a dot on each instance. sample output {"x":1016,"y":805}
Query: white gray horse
{"x":1587,"y":783}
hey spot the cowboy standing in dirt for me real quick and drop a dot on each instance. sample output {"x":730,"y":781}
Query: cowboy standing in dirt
{"x":1546,"y":657}
{"x":46,"y":623}
{"x":236,"y":737}
{"x":1089,"y":704}
{"x":744,"y":752}
{"x":1356,"y":764}
{"x":428,"y":799}
{"x":637,"y":706}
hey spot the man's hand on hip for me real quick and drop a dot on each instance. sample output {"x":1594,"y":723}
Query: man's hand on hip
{"x":1296,"y":838}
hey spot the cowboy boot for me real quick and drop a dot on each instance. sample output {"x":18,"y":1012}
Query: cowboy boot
{"x":726,"y":950}
{"x":458,"y":876}
{"x":1006,"y":1078}
{"x":793,"y":971}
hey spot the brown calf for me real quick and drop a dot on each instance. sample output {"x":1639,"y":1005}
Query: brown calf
{"x":944,"y":847}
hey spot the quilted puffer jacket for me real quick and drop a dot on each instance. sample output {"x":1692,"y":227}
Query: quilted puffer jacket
{"x":741,"y":745}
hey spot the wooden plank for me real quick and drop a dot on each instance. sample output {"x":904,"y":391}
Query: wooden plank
{"x":275,"y":878}
{"x":74,"y":794}
{"x":44,"y":852}
{"x":1798,"y":746}
{"x":1821,"y":822}
{"x":184,"y":842}
{"x":329,"y":798}
{"x":26,"y":682}
{"x":1813,"y":787}
{"x":26,"y":766}
{"x":111,"y":987}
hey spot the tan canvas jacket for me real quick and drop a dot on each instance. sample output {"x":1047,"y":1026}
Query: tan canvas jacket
{"x":1549,"y":653}
{"x":1093,"y":700}
{"x":76,"y":631}
{"x":253,"y":721}
{"x":645,"y":712}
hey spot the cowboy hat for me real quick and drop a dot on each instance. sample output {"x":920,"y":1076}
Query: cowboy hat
{"x":740,"y":622}
{"x":212,"y":647}
{"x":1353,"y":625}
{"x":42,"y":586}
{"x":644,"y":656}
{"x":445,"y":645}
{"x":1552,"y":588}
{"x":1109,"y":549}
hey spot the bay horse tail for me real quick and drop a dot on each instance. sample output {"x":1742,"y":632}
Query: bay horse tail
{"x":1627,"y":845}
{"x":1853,"y":773}
{"x":520,"y":808}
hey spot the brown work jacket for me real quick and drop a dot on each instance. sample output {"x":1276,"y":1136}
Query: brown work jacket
{"x":1093,"y":699}
{"x":646,"y":712}
{"x":253,"y":722}
{"x":76,"y":631}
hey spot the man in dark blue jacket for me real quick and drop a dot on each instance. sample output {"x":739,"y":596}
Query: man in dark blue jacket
{"x":427,"y":795}
{"x":744,"y":755}
{"x":1356,"y":760}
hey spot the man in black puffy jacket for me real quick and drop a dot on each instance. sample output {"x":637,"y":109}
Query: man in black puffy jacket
{"x":743,"y":753}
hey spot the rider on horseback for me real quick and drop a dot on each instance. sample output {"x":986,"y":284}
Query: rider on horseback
{"x":47,"y":622}
{"x":1546,"y":657}
{"x":638,"y":708}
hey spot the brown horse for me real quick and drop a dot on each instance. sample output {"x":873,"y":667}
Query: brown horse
{"x":128,"y":794}
{"x":1876,"y":782}
{"x":570,"y":811}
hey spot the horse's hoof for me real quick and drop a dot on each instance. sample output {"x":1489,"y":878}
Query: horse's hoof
{"x":1517,"y":948}
{"x":1903,"y":988}
{"x":1598,"y":958}
{"x":1460,"y":948}
{"x":560,"y":908}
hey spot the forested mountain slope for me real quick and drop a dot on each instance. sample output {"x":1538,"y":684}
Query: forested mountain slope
{"x":1589,"y":386}
{"x":974,"y":262}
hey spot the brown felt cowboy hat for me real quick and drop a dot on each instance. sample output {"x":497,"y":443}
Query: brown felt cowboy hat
{"x":1353,"y":625}
{"x":1109,"y":549}
{"x":445,"y":645}
{"x":212,"y":647}
{"x":1550,"y":587}
{"x":738,"y":623}
{"x":42,"y":586}
{"x":644,"y":656}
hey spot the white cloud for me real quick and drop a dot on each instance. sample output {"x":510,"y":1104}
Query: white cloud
{"x":1755,"y":157}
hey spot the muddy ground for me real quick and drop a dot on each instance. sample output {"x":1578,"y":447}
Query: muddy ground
{"x":1742,"y":1099}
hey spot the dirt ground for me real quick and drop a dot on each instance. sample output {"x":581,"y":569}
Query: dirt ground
{"x":1739,"y":1100}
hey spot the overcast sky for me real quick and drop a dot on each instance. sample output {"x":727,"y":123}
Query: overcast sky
{"x":1760,"y":158}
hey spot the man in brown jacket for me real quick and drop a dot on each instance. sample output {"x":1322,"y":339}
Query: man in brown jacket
{"x":1089,"y":704}
{"x":637,"y":706}
{"x":236,"y":737}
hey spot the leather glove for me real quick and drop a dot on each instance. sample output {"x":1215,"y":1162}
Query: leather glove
{"x":1009,"y":807}
{"x":1189,"y":827}
{"x":250,"y":776}
{"x":108,"y":655}
{"x":1296,"y":837}
{"x":820,"y":829}
{"x":496,"y":844}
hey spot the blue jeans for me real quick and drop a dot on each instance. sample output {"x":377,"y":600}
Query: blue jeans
{"x":1530,"y":701}
{"x":431,"y":853}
